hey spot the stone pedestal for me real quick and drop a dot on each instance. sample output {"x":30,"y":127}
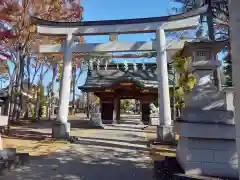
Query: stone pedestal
{"x":96,"y":120}
{"x":61,"y":130}
{"x":154,"y":119}
{"x":165,"y":134}
{"x":207,"y":149}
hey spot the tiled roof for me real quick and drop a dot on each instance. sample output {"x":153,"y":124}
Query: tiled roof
{"x":106,"y":78}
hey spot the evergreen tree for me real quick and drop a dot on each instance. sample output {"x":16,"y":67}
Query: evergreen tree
{"x":217,"y":24}
{"x":228,"y":69}
{"x":42,"y":99}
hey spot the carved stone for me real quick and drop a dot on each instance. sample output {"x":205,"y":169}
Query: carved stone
{"x":154,"y":119}
{"x":153,"y":109}
{"x":96,"y":116}
{"x":96,"y":108}
{"x":154,"y":115}
{"x":206,"y":129}
{"x":96,"y":120}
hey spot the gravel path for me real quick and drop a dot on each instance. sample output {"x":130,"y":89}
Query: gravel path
{"x":118,"y":152}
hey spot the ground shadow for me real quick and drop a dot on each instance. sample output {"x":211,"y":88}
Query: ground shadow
{"x":130,"y":146}
{"x":139,"y":142}
{"x":87,"y":162}
{"x":26,"y":134}
{"x":100,"y":154}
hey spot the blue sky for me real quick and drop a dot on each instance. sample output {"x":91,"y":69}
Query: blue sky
{"x":124,"y":9}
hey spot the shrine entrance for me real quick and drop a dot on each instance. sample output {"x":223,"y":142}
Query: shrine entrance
{"x":115,"y":83}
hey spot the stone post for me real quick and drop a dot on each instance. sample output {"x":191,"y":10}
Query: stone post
{"x":234,"y":16}
{"x":165,"y":129}
{"x":61,"y":129}
{"x":96,"y":116}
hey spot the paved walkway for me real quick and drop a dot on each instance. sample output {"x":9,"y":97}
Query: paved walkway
{"x":118,"y":152}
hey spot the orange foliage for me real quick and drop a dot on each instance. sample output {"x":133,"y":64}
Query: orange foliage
{"x":19,"y":16}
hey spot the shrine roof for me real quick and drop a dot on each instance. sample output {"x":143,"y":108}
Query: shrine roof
{"x":106,"y":78}
{"x":216,"y":46}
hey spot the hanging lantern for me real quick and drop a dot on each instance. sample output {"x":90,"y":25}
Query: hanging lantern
{"x":125,"y":65}
{"x":106,"y":65}
{"x":98,"y":64}
{"x":143,"y":66}
{"x":135,"y":66}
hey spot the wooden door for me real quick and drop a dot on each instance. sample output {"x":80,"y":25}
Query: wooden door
{"x":145,"y":113}
{"x":107,"y":113}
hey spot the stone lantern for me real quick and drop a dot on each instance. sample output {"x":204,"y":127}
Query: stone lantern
{"x":206,"y":128}
{"x":205,"y":95}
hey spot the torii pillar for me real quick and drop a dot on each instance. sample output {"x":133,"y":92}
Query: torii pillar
{"x":61,"y":129}
{"x":164,"y":130}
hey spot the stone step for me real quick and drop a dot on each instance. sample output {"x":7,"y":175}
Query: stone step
{"x":8,"y":153}
{"x":169,"y":168}
{"x":188,"y":177}
{"x":22,"y":158}
{"x":10,"y":160}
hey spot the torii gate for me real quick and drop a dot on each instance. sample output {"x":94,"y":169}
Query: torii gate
{"x":158,"y":25}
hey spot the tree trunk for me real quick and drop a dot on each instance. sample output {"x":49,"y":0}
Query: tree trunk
{"x":29,"y":87}
{"x":38,"y":97}
{"x":10,"y":88}
{"x":211,"y":35}
{"x":174,"y":98}
{"x":51,"y":103}
{"x":18,"y":99}
{"x":73,"y":88}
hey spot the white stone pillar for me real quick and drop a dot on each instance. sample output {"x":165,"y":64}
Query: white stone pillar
{"x":162,"y":72}
{"x":61,"y":129}
{"x":164,"y":130}
{"x":234,"y":15}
